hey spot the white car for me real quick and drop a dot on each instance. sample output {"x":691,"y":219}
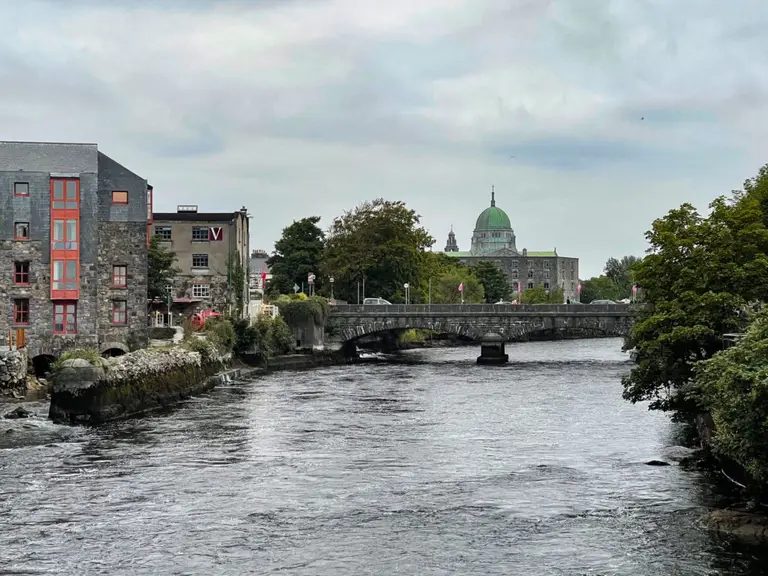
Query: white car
{"x":376,"y":302}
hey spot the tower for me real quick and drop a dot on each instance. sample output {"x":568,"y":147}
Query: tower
{"x":451,"y":245}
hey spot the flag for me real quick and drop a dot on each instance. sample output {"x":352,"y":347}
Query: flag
{"x":461,"y":287}
{"x":263,"y":279}
{"x":634,"y":288}
{"x":579,"y":287}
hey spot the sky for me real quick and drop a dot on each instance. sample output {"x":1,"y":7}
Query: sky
{"x":591,"y":118}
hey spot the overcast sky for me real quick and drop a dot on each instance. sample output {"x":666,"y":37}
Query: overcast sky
{"x":301,"y":107}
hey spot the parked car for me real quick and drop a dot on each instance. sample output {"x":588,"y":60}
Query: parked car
{"x":602,"y":302}
{"x":376,"y":302}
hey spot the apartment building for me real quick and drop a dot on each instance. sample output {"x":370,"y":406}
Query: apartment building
{"x":73,"y":249}
{"x":212,"y":251}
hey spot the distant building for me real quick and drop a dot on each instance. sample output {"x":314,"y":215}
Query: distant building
{"x":209,"y":247}
{"x":494,"y":240}
{"x":259,"y":271}
{"x":73,"y":249}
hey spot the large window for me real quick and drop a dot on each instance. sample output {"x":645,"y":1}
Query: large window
{"x":21,"y":273}
{"x":119,"y":197}
{"x":199,"y":234}
{"x":199,"y":260}
{"x":21,"y":311}
{"x":164,"y":232}
{"x":65,"y":318}
{"x":65,"y":194}
{"x":64,"y":234}
{"x":64,"y":275}
{"x":119,"y":276}
{"x":201,"y":291}
{"x":119,"y":312}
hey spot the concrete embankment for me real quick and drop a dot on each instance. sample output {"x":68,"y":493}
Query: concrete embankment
{"x":94,"y":391}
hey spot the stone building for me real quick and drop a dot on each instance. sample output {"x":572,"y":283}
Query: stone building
{"x":212,"y":252}
{"x":494,"y":240}
{"x":73,"y":249}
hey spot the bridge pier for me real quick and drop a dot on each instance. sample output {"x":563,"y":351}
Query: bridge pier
{"x":492,"y":350}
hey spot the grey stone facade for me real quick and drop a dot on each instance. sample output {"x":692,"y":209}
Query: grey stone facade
{"x":13,"y":372}
{"x":123,"y":229}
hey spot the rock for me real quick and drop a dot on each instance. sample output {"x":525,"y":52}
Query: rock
{"x":738,"y":524}
{"x":657,"y":463}
{"x":19,"y":412}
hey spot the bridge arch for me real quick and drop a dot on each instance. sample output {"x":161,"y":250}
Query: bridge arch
{"x":359,"y":330}
{"x":108,"y":349}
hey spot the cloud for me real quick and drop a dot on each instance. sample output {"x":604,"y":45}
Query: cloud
{"x":614,"y":111}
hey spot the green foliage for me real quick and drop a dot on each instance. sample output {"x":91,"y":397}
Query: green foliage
{"x":161,"y":269}
{"x":237,"y":279}
{"x":281,"y":336}
{"x":599,"y":288}
{"x":696,"y":279}
{"x":622,"y":274}
{"x":538,"y":295}
{"x":92,"y":356}
{"x":161,"y":333}
{"x":445,"y":289}
{"x":381,"y":242}
{"x":298,"y":311}
{"x":270,"y":336}
{"x":208,"y":350}
{"x":493,"y":280}
{"x":733,"y":386}
{"x":297,"y":253}
{"x":411,"y":337}
{"x":220,"y":333}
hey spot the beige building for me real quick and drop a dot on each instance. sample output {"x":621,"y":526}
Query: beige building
{"x":212,"y":251}
{"x":494,"y":240}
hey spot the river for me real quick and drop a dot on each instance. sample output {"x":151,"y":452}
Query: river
{"x":430,"y":465}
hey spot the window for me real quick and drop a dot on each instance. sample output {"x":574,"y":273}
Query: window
{"x":119,"y":276}
{"x":530,"y":273}
{"x":119,"y":312}
{"x":515,"y":273}
{"x":546,"y":264}
{"x":199,"y":260}
{"x":546,"y":285}
{"x":65,"y":318}
{"x":164,"y":232}
{"x":119,"y":197}
{"x":21,"y":188}
{"x":21,"y":311}
{"x":64,"y":234}
{"x":21,"y":231}
{"x":199,"y":234}
{"x":65,"y":194}
{"x":201,"y":291}
{"x":530,"y":284}
{"x":64,"y":275}
{"x":21,"y":273}
{"x":514,"y":286}
{"x":546,"y":273}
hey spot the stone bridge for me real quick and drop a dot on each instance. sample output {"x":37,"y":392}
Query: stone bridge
{"x":474,"y":321}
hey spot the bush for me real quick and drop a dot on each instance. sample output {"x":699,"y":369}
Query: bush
{"x":281,"y":336}
{"x":207,"y":350}
{"x":88,"y":354}
{"x":220,"y":333}
{"x":298,"y":312}
{"x":411,"y":336}
{"x":162,"y":333}
{"x":270,"y":336}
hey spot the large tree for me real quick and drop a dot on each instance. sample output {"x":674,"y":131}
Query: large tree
{"x":599,"y":288}
{"x":445,"y":289}
{"x":161,"y":269}
{"x":380,"y":243}
{"x":697,"y":278}
{"x":539,"y":295}
{"x":495,"y":283}
{"x":297,"y":253}
{"x":622,"y":274}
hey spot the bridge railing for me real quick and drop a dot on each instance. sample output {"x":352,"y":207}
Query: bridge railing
{"x":505,"y":309}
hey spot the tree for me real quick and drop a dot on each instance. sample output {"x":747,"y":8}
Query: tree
{"x":538,"y":295}
{"x":622,"y":274}
{"x":445,"y":290}
{"x":161,"y":269}
{"x":380,"y":243}
{"x":493,"y":280}
{"x":297,"y":253}
{"x":697,"y":278}
{"x":600,"y":288}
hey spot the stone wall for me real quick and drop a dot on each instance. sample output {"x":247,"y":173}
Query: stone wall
{"x":13,"y":372}
{"x":128,"y":385}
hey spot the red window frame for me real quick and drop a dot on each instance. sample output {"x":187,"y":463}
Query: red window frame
{"x":119,"y":197}
{"x":62,"y":312}
{"x":16,"y":230}
{"x":21,"y":273}
{"x":119,"y":276}
{"x":119,"y":312}
{"x":18,"y":190}
{"x":65,"y":208}
{"x":21,"y":311}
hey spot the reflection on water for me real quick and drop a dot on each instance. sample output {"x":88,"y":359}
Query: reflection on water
{"x":429,"y":465}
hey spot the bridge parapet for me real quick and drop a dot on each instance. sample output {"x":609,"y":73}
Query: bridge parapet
{"x":458,"y":310}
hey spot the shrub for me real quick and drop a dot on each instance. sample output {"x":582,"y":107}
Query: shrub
{"x":88,"y":354}
{"x":220,"y":333}
{"x":281,"y":336}
{"x":411,"y":336}
{"x":164,"y":333}
{"x":297,"y":312}
{"x":207,"y":350}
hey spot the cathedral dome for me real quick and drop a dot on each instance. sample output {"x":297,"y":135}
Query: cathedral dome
{"x":493,"y":218}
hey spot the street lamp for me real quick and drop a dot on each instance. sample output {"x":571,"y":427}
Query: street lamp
{"x":169,"y":291}
{"x":331,"y":281}
{"x":407,"y":293}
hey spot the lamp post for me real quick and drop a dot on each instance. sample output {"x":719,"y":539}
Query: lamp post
{"x":406,"y":286}
{"x":169,"y":291}
{"x":331,"y":281}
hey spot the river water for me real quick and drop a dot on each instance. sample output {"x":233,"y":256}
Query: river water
{"x":430,"y":465}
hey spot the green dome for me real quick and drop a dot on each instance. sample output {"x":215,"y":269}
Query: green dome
{"x":493,"y":218}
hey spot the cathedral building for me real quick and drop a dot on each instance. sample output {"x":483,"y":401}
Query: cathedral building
{"x":494,"y":240}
